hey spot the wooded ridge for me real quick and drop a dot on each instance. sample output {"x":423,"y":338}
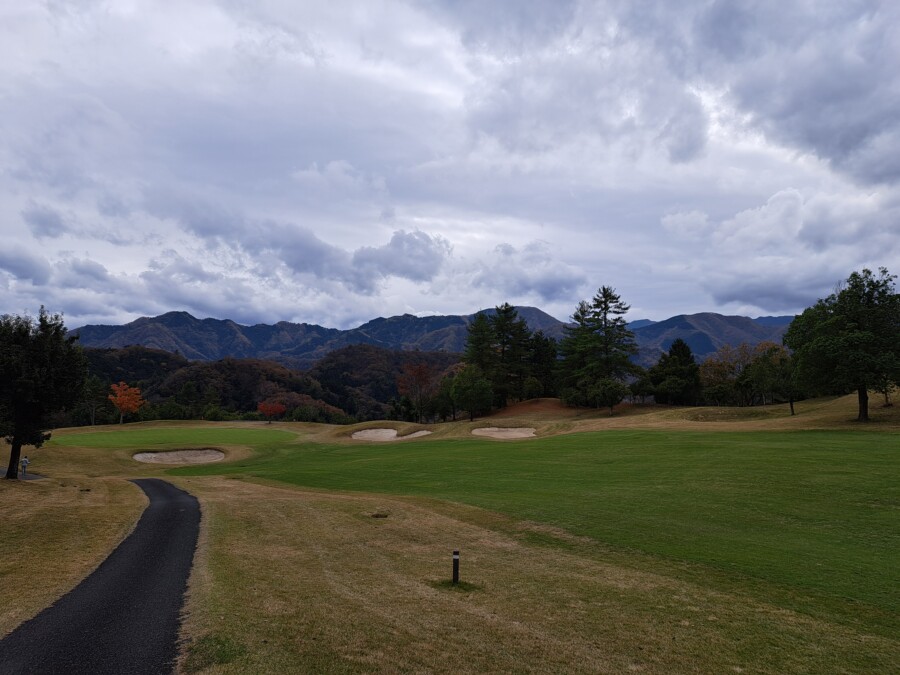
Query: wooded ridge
{"x":301,"y":345}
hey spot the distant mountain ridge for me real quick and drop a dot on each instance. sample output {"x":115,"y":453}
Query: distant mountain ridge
{"x":300,"y":345}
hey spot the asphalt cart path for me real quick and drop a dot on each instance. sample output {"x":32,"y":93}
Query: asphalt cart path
{"x":124,"y":617}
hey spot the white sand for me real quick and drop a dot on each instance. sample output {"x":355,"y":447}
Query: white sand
{"x":384,"y":435}
{"x":181,"y":456}
{"x":510,"y":432}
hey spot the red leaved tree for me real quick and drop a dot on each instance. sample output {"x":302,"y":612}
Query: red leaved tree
{"x":126,"y":399}
{"x":271,"y":409}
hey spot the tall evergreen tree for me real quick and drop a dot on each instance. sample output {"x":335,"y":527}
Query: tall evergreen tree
{"x":676,"y":376}
{"x":542,"y":357}
{"x":511,"y":346}
{"x":598,"y":346}
{"x":479,"y":350}
{"x":42,"y":371}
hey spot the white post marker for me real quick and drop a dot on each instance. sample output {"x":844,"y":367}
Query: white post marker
{"x":455,"y":567}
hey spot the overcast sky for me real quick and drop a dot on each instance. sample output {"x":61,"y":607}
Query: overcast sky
{"x":331,"y":162}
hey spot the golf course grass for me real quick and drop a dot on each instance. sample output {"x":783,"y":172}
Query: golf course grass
{"x":813,"y":516}
{"x":757,"y":551}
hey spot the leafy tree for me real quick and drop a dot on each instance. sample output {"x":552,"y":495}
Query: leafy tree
{"x":472,"y":391}
{"x":641,"y":388}
{"x":95,"y":391}
{"x":42,"y":371}
{"x":445,"y":403}
{"x":271,"y":409}
{"x":415,"y":381}
{"x":598,"y":346}
{"x":766,"y":376}
{"x":126,"y":399}
{"x":608,"y":393}
{"x":676,"y":376}
{"x":849,"y":340}
{"x":721,"y":375}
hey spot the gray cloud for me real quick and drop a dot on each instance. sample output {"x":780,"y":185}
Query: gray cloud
{"x":24,"y":265}
{"x":508,"y":26}
{"x":818,"y":78}
{"x":321,"y":162}
{"x":416,"y":256}
{"x":44,"y":221}
{"x":531,"y":271}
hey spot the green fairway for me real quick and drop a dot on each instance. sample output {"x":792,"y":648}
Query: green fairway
{"x":809,"y":519}
{"x":161,"y":438}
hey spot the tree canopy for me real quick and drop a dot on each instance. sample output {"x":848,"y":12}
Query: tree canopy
{"x":516,"y":363}
{"x":597,"y":348}
{"x":126,"y":399}
{"x":676,"y":377}
{"x":851,"y":339}
{"x":42,"y":371}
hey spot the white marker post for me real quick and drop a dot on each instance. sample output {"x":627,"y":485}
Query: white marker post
{"x":455,"y":567}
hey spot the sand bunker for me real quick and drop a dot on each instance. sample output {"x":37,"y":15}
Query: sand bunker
{"x":384,"y":435}
{"x":498,"y":432}
{"x":201,"y":456}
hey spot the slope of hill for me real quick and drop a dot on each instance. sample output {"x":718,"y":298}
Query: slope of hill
{"x":704,"y":333}
{"x":296,"y":345}
{"x":302,"y":345}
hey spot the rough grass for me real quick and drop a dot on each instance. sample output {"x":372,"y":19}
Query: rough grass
{"x":54,"y":532}
{"x":809,"y":519}
{"x":300,"y":581}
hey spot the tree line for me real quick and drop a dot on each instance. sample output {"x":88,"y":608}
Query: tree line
{"x":846,"y":342}
{"x":849,"y":341}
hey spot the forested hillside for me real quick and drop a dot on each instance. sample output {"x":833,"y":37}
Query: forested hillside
{"x":358,"y":382}
{"x":303,"y":345}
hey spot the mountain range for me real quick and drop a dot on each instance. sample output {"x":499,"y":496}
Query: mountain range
{"x":300,"y":345}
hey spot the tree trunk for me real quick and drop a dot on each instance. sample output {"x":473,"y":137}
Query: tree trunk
{"x":863,"y":394}
{"x":15,"y":451}
{"x":791,"y":401}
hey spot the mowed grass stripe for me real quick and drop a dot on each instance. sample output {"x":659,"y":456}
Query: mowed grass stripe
{"x":813,"y":517}
{"x":160,"y":438}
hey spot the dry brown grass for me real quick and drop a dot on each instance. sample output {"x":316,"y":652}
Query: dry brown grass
{"x":54,"y":533}
{"x":549,"y":417}
{"x":301,"y":581}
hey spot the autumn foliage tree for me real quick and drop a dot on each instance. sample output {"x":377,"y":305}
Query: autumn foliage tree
{"x":271,"y":409}
{"x":127,"y":399}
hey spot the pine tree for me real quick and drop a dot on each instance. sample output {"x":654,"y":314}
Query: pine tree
{"x":597,"y":347}
{"x":676,"y":376}
{"x":511,"y":338}
{"x":479,"y":350}
{"x":42,"y":371}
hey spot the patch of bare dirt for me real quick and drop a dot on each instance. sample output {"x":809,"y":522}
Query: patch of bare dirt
{"x":198,"y":456}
